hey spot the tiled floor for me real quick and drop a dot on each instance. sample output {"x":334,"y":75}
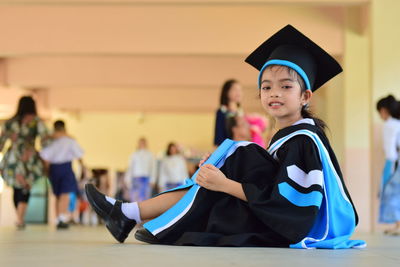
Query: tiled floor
{"x":93,"y":246}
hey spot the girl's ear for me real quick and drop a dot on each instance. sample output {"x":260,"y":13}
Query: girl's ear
{"x":306,"y":97}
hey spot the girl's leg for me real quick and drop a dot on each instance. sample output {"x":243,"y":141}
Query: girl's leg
{"x":121,"y":218}
{"x":21,"y":210}
{"x":154,"y":207}
{"x":63,"y":202}
{"x":62,"y":208}
{"x":21,"y":203}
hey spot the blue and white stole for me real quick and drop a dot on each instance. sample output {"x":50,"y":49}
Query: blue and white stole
{"x":335,"y":221}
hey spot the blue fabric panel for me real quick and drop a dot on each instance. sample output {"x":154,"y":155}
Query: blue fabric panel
{"x":297,"y":198}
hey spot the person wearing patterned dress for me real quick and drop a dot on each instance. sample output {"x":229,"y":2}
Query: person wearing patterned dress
{"x":21,"y":165}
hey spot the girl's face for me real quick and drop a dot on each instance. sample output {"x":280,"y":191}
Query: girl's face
{"x":384,"y":113}
{"x":235,"y":93}
{"x":281,"y":95}
{"x":242,"y":129}
{"x":173,"y":150}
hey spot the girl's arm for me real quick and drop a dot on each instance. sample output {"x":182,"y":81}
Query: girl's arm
{"x":211,"y":178}
{"x":235,"y":189}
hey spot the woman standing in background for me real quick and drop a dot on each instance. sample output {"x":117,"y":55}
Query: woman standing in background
{"x":173,"y":170}
{"x":21,"y":164}
{"x":230,"y":105}
{"x":140,"y":172}
{"x":389,"y":111}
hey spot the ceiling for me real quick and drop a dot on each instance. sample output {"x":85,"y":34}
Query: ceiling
{"x":149,"y":55}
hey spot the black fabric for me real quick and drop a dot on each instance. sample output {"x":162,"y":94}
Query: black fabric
{"x":268,"y":218}
{"x":220,"y":132}
{"x":218,"y":219}
{"x":20,"y":195}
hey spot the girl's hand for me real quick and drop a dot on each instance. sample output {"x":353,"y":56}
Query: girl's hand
{"x":204,"y":159}
{"x":22,"y":181}
{"x":211,"y":178}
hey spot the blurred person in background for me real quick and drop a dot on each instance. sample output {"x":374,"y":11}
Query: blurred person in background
{"x":122,"y":190}
{"x":230,"y":105}
{"x":140,"y":172}
{"x":101,"y":180}
{"x":258,"y":124}
{"x":21,"y":165}
{"x":238,"y":129}
{"x":173,"y":169}
{"x":59,"y":156}
{"x":389,"y":111}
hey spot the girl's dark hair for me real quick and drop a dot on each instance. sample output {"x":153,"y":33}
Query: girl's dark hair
{"x":59,"y":125}
{"x":26,"y":105}
{"x":391,"y":105}
{"x":305,"y":111}
{"x":224,"y":99}
{"x":169,"y":147}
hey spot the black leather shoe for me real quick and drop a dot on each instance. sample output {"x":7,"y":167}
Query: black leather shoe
{"x":62,"y":226}
{"x":116,"y":222}
{"x":144,"y":235}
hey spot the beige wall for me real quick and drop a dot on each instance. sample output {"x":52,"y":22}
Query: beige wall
{"x":109,"y":138}
{"x":356,"y":116}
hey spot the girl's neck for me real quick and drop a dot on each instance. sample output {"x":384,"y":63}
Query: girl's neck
{"x":59,"y":134}
{"x":286,"y":122}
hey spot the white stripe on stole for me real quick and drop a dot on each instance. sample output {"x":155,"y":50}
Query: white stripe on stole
{"x":321,"y":149}
{"x":305,"y":179}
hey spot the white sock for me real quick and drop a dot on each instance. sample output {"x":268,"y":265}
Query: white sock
{"x":131,"y":210}
{"x":111,"y":200}
{"x":62,"y":218}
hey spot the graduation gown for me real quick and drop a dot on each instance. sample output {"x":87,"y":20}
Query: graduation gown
{"x":289,"y":202}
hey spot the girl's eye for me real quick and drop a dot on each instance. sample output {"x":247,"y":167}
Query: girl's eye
{"x":287,"y":86}
{"x":266,"y":88}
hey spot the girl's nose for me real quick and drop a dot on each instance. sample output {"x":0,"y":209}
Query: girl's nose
{"x":274,"y":92}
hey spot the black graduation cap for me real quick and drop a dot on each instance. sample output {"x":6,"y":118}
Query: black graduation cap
{"x":291,"y":48}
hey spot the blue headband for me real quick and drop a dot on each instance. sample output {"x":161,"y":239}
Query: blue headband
{"x":286,"y":63}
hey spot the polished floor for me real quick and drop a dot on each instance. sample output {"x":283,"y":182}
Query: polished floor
{"x":44,"y":246}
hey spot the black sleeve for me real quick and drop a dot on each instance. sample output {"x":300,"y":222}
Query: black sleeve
{"x":288,"y":202}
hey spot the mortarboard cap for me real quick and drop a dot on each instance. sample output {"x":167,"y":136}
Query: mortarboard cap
{"x":291,"y":48}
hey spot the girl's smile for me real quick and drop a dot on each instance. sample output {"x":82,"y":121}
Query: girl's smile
{"x":275,"y":104}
